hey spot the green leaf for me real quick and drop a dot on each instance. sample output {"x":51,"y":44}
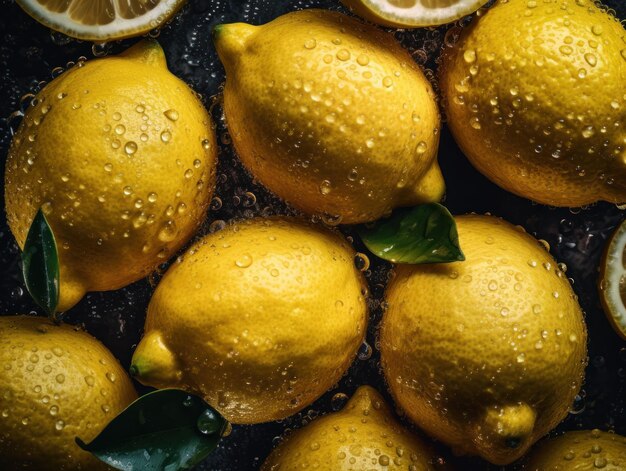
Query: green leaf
{"x":165,"y":430}
{"x":424,"y":234}
{"x":40,"y":264}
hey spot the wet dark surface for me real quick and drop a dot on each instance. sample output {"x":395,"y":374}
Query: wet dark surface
{"x":30,"y":54}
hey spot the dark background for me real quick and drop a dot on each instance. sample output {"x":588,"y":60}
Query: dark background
{"x":31,"y":55}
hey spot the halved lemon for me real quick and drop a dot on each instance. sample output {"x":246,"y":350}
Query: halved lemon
{"x":413,"y":13}
{"x":101,"y":20}
{"x":613,"y":280}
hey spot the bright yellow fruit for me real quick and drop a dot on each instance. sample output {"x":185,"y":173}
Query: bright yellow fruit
{"x":363,"y":436}
{"x":331,"y":114}
{"x":411,"y":13}
{"x":585,"y":450}
{"x":534,"y":93}
{"x":121,"y":156}
{"x":56,"y":383}
{"x":102,"y":20}
{"x":613,"y":280}
{"x":260,"y":319}
{"x":488,"y":354}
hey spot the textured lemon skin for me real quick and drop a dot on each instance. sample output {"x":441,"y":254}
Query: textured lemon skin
{"x":486,"y":354}
{"x":115,"y":215}
{"x":331,"y":114}
{"x":585,"y":450}
{"x":364,"y":435}
{"x":535,"y":98}
{"x":56,"y":383}
{"x":260,"y":318}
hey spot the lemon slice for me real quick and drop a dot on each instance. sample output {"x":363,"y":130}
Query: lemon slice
{"x":101,"y":20}
{"x":613,"y":280}
{"x":413,"y":13}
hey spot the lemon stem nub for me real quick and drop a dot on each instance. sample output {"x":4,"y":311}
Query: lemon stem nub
{"x":153,"y":364}
{"x":230,"y":40}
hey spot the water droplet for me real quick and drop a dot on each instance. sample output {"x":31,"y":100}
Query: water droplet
{"x":387,"y":82}
{"x":588,"y":132}
{"x":600,"y":462}
{"x":60,"y":378}
{"x":111,"y":377}
{"x":59,"y":425}
{"x":325,"y":187}
{"x":208,"y":422}
{"x":338,"y":401}
{"x":166,"y":136}
{"x":362,"y":59}
{"x":591,"y":59}
{"x":120,"y":129}
{"x":343,"y":54}
{"x":172,"y":115}
{"x":310,"y":43}
{"x":361,"y":261}
{"x":89,"y":380}
{"x":130,"y":148}
{"x":244,"y":261}
{"x":469,"y":56}
{"x":54,"y":410}
{"x":365,"y":352}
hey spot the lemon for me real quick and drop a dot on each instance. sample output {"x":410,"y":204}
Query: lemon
{"x":413,"y":13}
{"x":56,"y":383}
{"x":613,"y":280}
{"x":534,"y":94}
{"x":331,"y":115}
{"x":364,"y":435}
{"x":103,"y":20}
{"x":120,"y":155}
{"x":260,"y":319}
{"x":488,"y":354}
{"x":579,"y":451}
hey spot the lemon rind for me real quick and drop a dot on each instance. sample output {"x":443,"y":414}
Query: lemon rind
{"x":120,"y":28}
{"x":419,"y":16}
{"x":614,"y":307}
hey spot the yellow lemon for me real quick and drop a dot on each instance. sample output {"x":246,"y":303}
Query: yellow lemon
{"x":579,"y":451}
{"x":56,"y":383}
{"x":260,"y":319}
{"x":331,"y":115}
{"x":534,"y":94}
{"x":120,"y":155}
{"x":364,"y":435}
{"x":488,"y":354}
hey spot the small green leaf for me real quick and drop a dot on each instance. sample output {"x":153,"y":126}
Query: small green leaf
{"x":424,"y":234}
{"x":165,"y":430}
{"x":40,"y":264}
